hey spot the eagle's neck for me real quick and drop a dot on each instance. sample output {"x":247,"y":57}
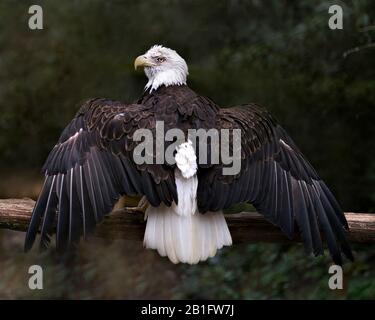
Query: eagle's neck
{"x":171,"y":77}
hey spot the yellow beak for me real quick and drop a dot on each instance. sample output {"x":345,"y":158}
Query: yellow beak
{"x":141,"y":61}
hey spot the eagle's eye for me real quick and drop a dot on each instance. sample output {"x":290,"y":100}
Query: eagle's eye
{"x":160,"y":59}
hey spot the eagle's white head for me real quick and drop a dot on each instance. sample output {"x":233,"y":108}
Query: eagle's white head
{"x":162,"y":66}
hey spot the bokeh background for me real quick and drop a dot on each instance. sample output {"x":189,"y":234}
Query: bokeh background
{"x":319,"y":83}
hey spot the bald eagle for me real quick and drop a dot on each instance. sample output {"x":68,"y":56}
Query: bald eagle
{"x":93,"y":164}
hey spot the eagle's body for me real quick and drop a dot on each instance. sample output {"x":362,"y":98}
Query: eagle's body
{"x":92,"y":165}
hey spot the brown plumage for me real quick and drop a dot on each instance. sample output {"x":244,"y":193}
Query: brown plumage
{"x":86,"y":174}
{"x":92,"y":165}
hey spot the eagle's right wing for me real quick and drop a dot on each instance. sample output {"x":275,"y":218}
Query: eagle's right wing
{"x":90,"y":167}
{"x":277,"y":179}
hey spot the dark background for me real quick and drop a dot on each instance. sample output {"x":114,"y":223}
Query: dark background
{"x":280,"y":54}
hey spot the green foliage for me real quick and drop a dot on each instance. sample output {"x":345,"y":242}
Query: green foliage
{"x":272,"y":271}
{"x":123,"y":269}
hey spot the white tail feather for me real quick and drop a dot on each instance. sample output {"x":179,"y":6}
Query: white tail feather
{"x":180,"y":231}
{"x":186,"y":193}
{"x":188,"y":238}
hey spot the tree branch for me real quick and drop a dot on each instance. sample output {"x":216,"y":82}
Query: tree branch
{"x":245,"y":227}
{"x":357,"y":49}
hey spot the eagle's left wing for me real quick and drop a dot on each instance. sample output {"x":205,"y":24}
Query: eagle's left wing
{"x":277,"y":179}
{"x":90,"y":167}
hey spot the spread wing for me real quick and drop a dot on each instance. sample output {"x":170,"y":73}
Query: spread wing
{"x":277,"y":179}
{"x":90,"y":167}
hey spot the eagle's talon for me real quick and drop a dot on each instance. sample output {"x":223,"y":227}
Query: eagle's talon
{"x":140,"y":208}
{"x":134,"y":209}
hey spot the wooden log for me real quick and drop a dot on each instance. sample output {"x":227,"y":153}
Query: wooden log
{"x":245,"y":227}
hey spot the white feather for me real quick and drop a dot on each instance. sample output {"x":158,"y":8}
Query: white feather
{"x":180,"y":232}
{"x":186,"y":160}
{"x":173,"y":71}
